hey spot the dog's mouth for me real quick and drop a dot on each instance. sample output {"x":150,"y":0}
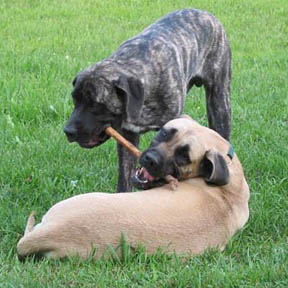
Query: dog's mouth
{"x":143,"y":176}
{"x":144,"y":180}
{"x":95,"y":140}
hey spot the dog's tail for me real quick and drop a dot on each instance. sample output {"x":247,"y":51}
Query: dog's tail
{"x":27,"y":245}
{"x":30,"y":223}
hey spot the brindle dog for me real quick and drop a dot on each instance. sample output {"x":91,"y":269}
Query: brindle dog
{"x":144,"y":83}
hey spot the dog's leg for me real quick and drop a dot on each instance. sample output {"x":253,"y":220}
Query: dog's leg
{"x":127,"y":162}
{"x":218,"y":101}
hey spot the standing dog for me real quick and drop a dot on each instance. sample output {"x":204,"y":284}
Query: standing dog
{"x":203,"y":212}
{"x":144,"y":83}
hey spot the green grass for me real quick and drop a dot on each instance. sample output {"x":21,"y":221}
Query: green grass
{"x":44,"y":44}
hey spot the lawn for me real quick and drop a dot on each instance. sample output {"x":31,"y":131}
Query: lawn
{"x":43,"y":46}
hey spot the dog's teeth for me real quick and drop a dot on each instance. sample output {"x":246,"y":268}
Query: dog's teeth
{"x":138,"y":174}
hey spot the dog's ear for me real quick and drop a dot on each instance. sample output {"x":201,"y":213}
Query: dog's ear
{"x":74,"y":81}
{"x":185,"y":116}
{"x":132,"y":90}
{"x":214,"y":168}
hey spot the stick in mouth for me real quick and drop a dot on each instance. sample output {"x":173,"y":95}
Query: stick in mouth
{"x":173,"y":182}
{"x":125,"y":143}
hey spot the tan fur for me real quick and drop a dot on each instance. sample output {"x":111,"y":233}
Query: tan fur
{"x":194,"y":217}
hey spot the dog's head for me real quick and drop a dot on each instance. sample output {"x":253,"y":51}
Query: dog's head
{"x":184,"y":149}
{"x":99,"y":103}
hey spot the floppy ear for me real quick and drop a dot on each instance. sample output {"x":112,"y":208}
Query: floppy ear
{"x":214,"y":168}
{"x":185,"y":116}
{"x":133,"y":92}
{"x":74,"y":81}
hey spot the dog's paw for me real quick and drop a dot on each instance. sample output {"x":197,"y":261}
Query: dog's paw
{"x":172,"y":182}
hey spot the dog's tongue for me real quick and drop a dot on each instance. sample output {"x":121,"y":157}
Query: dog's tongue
{"x":147,"y":175}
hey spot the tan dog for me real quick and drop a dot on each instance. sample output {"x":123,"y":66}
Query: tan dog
{"x":202,"y":212}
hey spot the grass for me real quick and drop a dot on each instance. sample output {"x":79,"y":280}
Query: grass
{"x":43,"y":45}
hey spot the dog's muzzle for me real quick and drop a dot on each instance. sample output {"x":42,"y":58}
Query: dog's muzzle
{"x":154,"y":162}
{"x":71,"y":133}
{"x":153,"y":169}
{"x":86,"y":140}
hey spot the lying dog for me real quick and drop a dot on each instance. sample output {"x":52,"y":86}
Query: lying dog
{"x":144,"y":84}
{"x":204,"y":211}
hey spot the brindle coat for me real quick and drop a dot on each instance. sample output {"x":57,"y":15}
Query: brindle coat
{"x":145,"y":82}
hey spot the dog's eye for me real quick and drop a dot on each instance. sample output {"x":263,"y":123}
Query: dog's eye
{"x":102,"y":113}
{"x":165,"y":135}
{"x":181,"y":155}
{"x":98,"y":108}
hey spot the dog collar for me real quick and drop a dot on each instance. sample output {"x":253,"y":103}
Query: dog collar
{"x":231,"y":152}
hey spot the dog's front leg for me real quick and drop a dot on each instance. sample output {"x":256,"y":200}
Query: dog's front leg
{"x":127,"y":162}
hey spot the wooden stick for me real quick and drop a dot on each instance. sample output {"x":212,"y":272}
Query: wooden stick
{"x":173,"y":182}
{"x":125,"y":143}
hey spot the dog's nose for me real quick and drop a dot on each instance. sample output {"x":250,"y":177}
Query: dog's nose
{"x":71,"y":133}
{"x":152,"y":161}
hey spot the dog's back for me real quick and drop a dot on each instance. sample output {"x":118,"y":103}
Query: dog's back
{"x":188,"y":220}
